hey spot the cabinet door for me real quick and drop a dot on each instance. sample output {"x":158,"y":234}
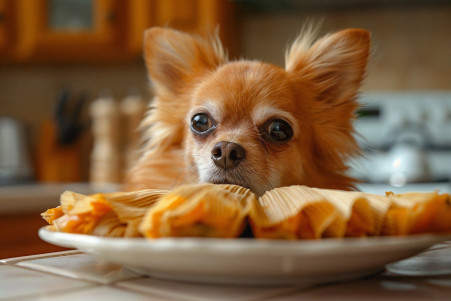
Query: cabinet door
{"x":199,"y":16}
{"x":72,"y":30}
{"x":100,"y":30}
{"x":6,"y":29}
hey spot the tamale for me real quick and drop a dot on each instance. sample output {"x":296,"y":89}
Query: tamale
{"x":354,"y":210}
{"x":291,"y":213}
{"x":78,"y":213}
{"x":379,"y":205}
{"x":299,"y":212}
{"x":417,"y":212}
{"x":111,"y":214}
{"x":203,"y":210}
{"x":211,"y":210}
{"x":130,"y":208}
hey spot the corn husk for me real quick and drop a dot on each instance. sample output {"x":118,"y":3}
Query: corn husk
{"x":203,"y":210}
{"x":296,"y":212}
{"x":299,"y":212}
{"x":363,"y":213}
{"x":291,"y":213}
{"x":112,"y":214}
{"x":209,"y":210}
{"x":417,"y":212}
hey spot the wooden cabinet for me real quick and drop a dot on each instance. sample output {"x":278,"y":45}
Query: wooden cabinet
{"x":99,"y":30}
{"x":72,"y":30}
{"x":19,"y":236}
{"x":3,"y":28}
{"x":96,"y":33}
{"x":199,"y":16}
{"x":6,"y":24}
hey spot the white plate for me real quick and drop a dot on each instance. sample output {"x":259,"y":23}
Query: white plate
{"x":249,"y":261}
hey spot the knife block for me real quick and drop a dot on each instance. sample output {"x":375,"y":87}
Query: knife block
{"x":56,"y":162}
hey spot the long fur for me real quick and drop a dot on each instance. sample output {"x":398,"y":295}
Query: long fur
{"x":316,"y":92}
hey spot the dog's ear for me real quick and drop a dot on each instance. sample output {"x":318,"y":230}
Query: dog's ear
{"x":335,"y":63}
{"x":174,"y":58}
{"x":328,"y":74}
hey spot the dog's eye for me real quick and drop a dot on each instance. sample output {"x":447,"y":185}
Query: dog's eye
{"x":201,"y":123}
{"x":279,"y":130}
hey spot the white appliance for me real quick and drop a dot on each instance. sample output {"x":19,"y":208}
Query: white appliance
{"x":15,"y":163}
{"x":406,"y":138}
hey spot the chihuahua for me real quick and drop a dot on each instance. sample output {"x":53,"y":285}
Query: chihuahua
{"x":246,"y":122}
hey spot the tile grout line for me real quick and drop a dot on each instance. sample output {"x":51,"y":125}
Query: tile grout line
{"x":67,"y":274}
{"x":55,"y":293}
{"x":139,"y":292}
{"x":15,"y":260}
{"x":54,"y":274}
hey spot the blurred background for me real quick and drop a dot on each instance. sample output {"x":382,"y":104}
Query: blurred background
{"x":73,"y":87}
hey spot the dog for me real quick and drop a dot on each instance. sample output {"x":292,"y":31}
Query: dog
{"x":247,"y":122}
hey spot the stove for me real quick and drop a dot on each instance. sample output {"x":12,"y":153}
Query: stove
{"x":406,"y":138}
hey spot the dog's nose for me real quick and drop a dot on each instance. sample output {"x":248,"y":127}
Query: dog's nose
{"x":227,"y":155}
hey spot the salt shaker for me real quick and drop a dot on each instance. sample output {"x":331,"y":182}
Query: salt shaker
{"x":132,"y":108}
{"x":106,"y":165}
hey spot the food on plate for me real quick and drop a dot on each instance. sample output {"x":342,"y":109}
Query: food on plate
{"x":111,"y":214}
{"x":299,"y":212}
{"x":223,"y":211}
{"x":203,"y":210}
{"x":415,"y":212}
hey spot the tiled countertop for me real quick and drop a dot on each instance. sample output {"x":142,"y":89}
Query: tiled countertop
{"x":73,"y":275}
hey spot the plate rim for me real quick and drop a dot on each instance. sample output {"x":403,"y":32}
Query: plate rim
{"x":300,"y":262}
{"x":220,"y":245}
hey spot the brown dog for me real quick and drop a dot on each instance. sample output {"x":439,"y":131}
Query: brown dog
{"x":247,"y":122}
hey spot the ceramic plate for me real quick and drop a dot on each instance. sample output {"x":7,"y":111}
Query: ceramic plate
{"x":249,"y":261}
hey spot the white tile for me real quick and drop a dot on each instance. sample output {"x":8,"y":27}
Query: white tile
{"x":38,"y":256}
{"x":371,"y":289}
{"x":434,"y":262}
{"x":19,"y":282}
{"x":99,"y":293}
{"x":191,"y":291}
{"x":81,"y":266}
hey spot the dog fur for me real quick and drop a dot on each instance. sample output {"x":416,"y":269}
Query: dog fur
{"x":315,"y":94}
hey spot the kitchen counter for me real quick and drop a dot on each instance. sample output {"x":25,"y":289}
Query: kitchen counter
{"x":72,"y":275}
{"x":38,"y":197}
{"x":20,"y":219}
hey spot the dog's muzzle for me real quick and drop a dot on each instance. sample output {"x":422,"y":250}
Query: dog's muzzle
{"x":227,"y":155}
